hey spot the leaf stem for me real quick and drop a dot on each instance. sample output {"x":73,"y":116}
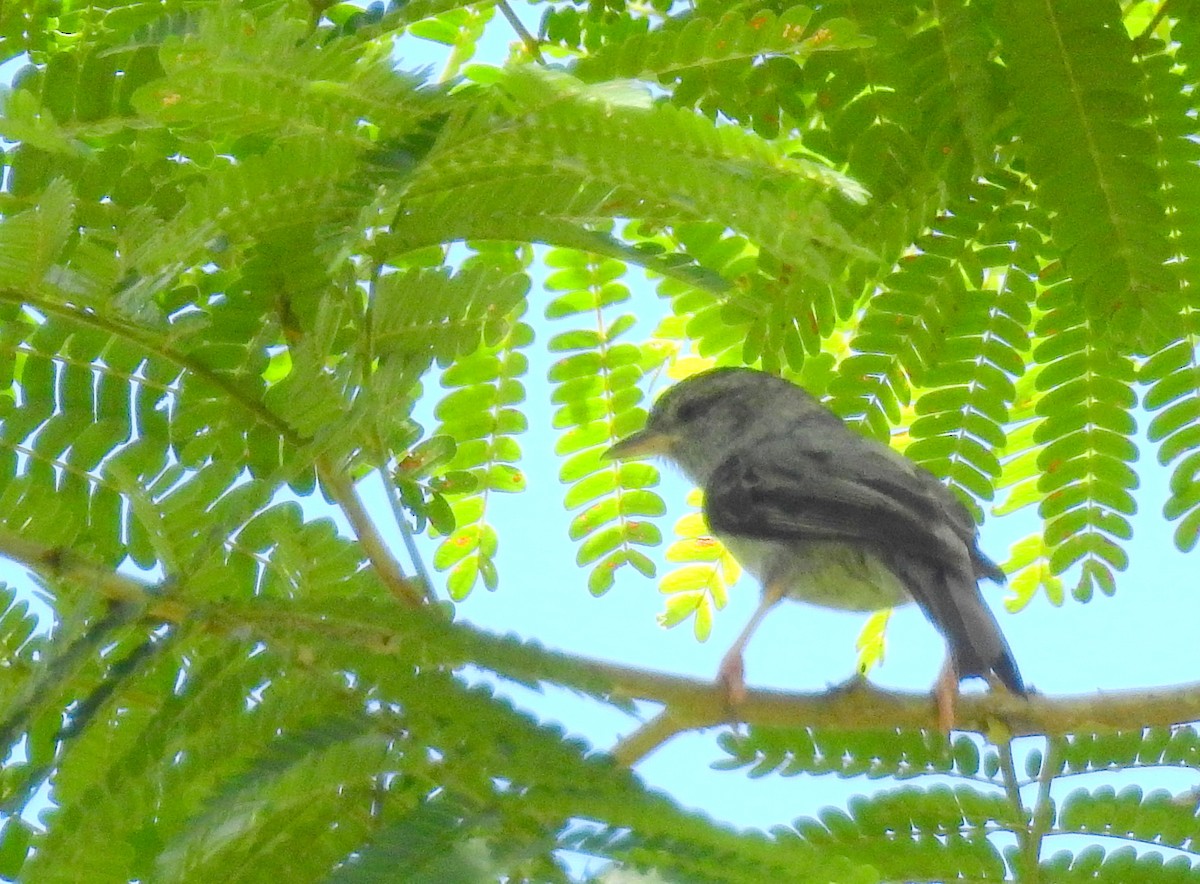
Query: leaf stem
{"x":1159,"y":15}
{"x":1028,"y":846}
{"x":1043,"y":807}
{"x":530,"y":41}
{"x":406,"y":532}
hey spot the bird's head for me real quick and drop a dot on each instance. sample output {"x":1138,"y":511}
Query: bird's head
{"x":701,"y":420}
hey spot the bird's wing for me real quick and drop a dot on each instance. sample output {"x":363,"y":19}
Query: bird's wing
{"x":784,"y":488}
{"x":940,"y":500}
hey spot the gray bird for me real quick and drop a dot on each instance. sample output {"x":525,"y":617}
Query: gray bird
{"x":821,"y":514}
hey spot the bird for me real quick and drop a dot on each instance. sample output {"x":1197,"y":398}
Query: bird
{"x":821,"y":514}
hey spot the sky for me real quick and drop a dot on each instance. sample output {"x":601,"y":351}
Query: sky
{"x":1143,"y":637}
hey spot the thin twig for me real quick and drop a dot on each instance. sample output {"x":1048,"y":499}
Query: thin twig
{"x":1026,"y":843}
{"x":633,"y":748}
{"x":381,"y":458}
{"x":58,"y":562}
{"x":1043,"y":806}
{"x":406,"y":532}
{"x":1159,"y":15}
{"x":530,"y":41}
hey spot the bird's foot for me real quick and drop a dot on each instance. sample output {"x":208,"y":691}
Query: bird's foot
{"x":731,"y":676}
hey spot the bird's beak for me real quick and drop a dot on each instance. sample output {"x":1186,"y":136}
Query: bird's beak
{"x":644,"y":443}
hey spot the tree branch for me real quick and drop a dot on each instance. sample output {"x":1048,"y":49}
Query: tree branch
{"x":694,"y":705}
{"x":59,"y":562}
{"x":689,"y":703}
{"x":631,"y":749}
{"x":410,"y":592}
{"x":1041,"y":822}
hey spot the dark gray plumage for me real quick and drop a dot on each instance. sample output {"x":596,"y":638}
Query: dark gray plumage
{"x":820,"y":513}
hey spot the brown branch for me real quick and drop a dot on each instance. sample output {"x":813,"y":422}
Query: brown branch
{"x":60,"y":562}
{"x":344,"y":494}
{"x":633,"y":748}
{"x":693,"y":705}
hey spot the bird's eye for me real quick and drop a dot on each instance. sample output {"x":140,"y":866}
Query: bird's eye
{"x":693,"y":409}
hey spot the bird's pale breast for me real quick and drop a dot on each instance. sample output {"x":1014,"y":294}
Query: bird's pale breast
{"x":829,"y":574}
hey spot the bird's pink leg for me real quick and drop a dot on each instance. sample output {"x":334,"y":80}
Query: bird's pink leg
{"x":945,"y":692}
{"x":732,"y":673}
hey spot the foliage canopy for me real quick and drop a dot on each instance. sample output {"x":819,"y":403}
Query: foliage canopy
{"x":237,"y":242}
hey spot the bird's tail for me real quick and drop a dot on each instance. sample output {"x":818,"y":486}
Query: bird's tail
{"x":952,"y":601}
{"x":976,"y":642}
